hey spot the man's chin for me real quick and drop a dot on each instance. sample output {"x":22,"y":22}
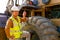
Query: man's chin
{"x":16,"y":16}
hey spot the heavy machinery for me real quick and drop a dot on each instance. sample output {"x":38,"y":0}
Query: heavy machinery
{"x":42,"y":20}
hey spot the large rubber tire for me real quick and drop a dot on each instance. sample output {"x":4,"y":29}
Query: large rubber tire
{"x":43,"y":27}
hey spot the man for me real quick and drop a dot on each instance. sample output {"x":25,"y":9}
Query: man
{"x":24,"y":18}
{"x":13,"y":26}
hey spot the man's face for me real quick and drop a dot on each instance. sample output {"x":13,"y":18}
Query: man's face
{"x":24,"y":13}
{"x":15,"y":13}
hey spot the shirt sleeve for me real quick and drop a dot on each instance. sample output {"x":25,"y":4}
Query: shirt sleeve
{"x":9,"y":24}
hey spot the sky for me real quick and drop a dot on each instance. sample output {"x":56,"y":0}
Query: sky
{"x":3,"y":4}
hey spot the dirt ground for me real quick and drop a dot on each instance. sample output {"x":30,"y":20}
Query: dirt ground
{"x":2,"y":34}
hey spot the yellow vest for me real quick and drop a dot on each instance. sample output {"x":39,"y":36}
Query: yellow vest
{"x":16,"y":30}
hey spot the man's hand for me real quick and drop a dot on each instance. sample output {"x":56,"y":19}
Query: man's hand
{"x":12,"y":38}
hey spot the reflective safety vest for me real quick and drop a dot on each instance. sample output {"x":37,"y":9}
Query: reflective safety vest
{"x":16,"y":30}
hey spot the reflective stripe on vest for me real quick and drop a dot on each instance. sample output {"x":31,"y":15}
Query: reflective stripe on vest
{"x":15,"y":31}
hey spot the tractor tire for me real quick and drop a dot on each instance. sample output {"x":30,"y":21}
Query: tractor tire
{"x":43,"y":27}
